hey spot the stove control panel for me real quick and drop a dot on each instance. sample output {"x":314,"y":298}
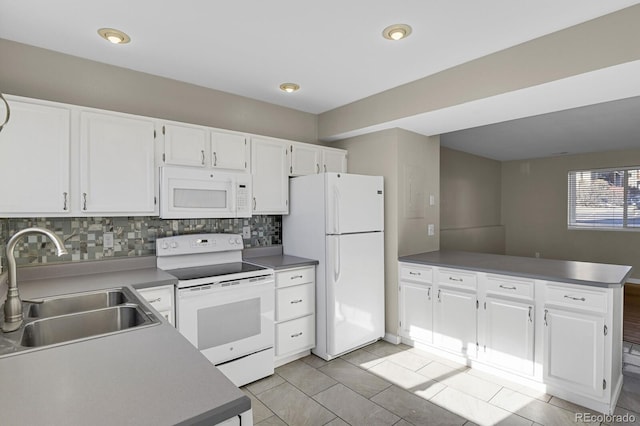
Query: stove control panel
{"x":198,"y":243}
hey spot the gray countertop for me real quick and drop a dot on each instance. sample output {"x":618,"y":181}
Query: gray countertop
{"x":150,"y":376}
{"x":585,"y":273}
{"x":272,"y":257}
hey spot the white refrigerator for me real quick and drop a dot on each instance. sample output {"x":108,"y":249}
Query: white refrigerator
{"x":338,"y":219}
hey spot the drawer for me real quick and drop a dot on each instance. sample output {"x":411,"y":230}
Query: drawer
{"x":508,"y":286}
{"x":416,"y":273}
{"x":295,"y":301}
{"x":295,"y":335}
{"x":577,"y":297}
{"x":161,"y":298}
{"x":295,"y":276}
{"x":454,"y":277}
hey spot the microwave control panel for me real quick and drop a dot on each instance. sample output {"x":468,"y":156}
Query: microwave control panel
{"x":243,"y":197}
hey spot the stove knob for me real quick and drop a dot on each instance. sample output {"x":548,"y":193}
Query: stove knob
{"x":165,"y":245}
{"x":174,"y":245}
{"x":238,"y":240}
{"x":232,"y":241}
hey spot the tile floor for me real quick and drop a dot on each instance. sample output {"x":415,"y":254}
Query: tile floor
{"x":385,"y":384}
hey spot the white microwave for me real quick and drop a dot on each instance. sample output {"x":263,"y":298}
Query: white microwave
{"x":190,"y":193}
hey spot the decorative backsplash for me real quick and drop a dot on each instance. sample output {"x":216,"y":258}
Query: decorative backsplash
{"x":132,"y":236}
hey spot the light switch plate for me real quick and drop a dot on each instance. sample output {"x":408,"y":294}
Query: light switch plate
{"x":431,"y":229}
{"x":107,"y":240}
{"x":432,"y":200}
{"x":246,"y":232}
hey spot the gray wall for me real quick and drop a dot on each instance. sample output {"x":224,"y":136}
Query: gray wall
{"x":534,"y":211}
{"x":387,"y":153}
{"x":43,"y":74}
{"x":471,"y":193}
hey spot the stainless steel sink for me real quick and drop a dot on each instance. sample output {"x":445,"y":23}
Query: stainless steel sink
{"x":71,"y":318}
{"x":65,"y":328}
{"x":55,"y":306}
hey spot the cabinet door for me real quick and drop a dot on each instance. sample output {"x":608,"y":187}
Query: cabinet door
{"x":34,"y":161}
{"x":185,"y":145}
{"x":455,"y":323}
{"x":305,"y":159}
{"x":334,"y":160}
{"x":117,"y":174}
{"x":508,"y":334}
{"x":229,"y":151}
{"x":574,"y":351}
{"x":416,"y":312}
{"x":269,"y":169}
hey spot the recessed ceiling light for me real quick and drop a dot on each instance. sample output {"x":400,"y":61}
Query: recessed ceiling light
{"x":114,"y":36}
{"x":396,"y":32}
{"x":289,"y":87}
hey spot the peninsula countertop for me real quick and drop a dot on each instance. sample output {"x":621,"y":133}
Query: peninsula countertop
{"x":150,"y":376}
{"x":584,"y":273}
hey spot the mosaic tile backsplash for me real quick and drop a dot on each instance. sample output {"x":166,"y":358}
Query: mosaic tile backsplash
{"x":133,"y":236}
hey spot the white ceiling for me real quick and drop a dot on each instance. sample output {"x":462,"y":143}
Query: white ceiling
{"x":332,"y":48}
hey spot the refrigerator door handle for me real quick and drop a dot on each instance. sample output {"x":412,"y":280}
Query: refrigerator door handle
{"x":336,"y":210}
{"x":336,"y":273}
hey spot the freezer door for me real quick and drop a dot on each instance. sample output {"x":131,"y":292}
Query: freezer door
{"x":355,"y":290}
{"x":355,"y":203}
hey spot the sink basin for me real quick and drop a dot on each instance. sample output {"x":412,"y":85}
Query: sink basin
{"x":65,"y":328}
{"x":52,"y":307}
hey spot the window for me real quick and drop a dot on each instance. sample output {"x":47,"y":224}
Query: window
{"x":605,"y":198}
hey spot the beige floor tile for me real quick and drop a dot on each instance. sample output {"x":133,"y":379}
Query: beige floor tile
{"x":259,"y":410}
{"x":402,"y":377}
{"x":534,"y":393}
{"x":272,"y":421}
{"x":570,"y":406}
{"x":438,"y":371}
{"x":626,"y":418}
{"x":337,"y":422}
{"x":363,"y":359}
{"x":382,"y":348}
{"x":304,"y":377}
{"x":314,"y":361}
{"x":535,"y":410}
{"x":402,"y":422}
{"x":415,"y":409}
{"x":294,"y":407}
{"x":265,"y":384}
{"x":630,"y":395}
{"x":354,"y":408}
{"x":474,"y":386}
{"x":409,"y":360}
{"x":476,"y":410}
{"x":357,"y":379}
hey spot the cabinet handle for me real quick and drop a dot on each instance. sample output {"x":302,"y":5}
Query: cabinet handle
{"x":507,"y":287}
{"x":202,"y":152}
{"x":84,"y":201}
{"x":290,"y":169}
{"x":579,"y":299}
{"x":254,"y":203}
{"x":296,"y":335}
{"x":530,"y":317}
{"x":317,"y":168}
{"x":215,"y":159}
{"x":64,"y":206}
{"x":295,"y":277}
{"x":429,"y":293}
{"x":456,"y":279}
{"x":156,"y":300}
{"x":7,"y":114}
{"x":545,"y":317}
{"x":439,"y":300}
{"x":325,"y":168}
{"x":296,"y":301}
{"x":414,"y":273}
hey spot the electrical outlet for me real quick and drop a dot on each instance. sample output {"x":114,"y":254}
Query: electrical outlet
{"x":107,"y":240}
{"x":246,"y":232}
{"x":431,"y":229}
{"x":537,"y":254}
{"x":432,"y":200}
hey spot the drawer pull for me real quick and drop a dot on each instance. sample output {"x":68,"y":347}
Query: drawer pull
{"x":295,"y":277}
{"x":508,"y":287}
{"x":156,"y":300}
{"x":296,"y":301}
{"x":456,"y":279}
{"x":414,"y":273}
{"x":296,"y":335}
{"x":579,"y":299}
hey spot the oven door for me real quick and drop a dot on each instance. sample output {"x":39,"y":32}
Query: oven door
{"x":226,"y":323}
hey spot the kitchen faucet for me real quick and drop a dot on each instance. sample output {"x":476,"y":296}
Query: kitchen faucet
{"x":13,"y":304}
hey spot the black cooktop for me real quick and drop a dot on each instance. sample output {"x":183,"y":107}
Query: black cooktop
{"x":208,"y":271}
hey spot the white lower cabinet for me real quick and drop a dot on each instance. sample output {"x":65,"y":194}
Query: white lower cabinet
{"x":295,"y":325}
{"x":565,"y":339}
{"x":162,"y":300}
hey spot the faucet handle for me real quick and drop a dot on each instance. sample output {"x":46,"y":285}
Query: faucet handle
{"x":35,"y":302}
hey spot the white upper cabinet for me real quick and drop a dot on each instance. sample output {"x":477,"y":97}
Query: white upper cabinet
{"x":185,"y":145}
{"x":35,"y":159}
{"x":334,"y":160}
{"x":117,"y":173}
{"x":305,"y":159}
{"x":270,"y":173}
{"x":229,"y":151}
